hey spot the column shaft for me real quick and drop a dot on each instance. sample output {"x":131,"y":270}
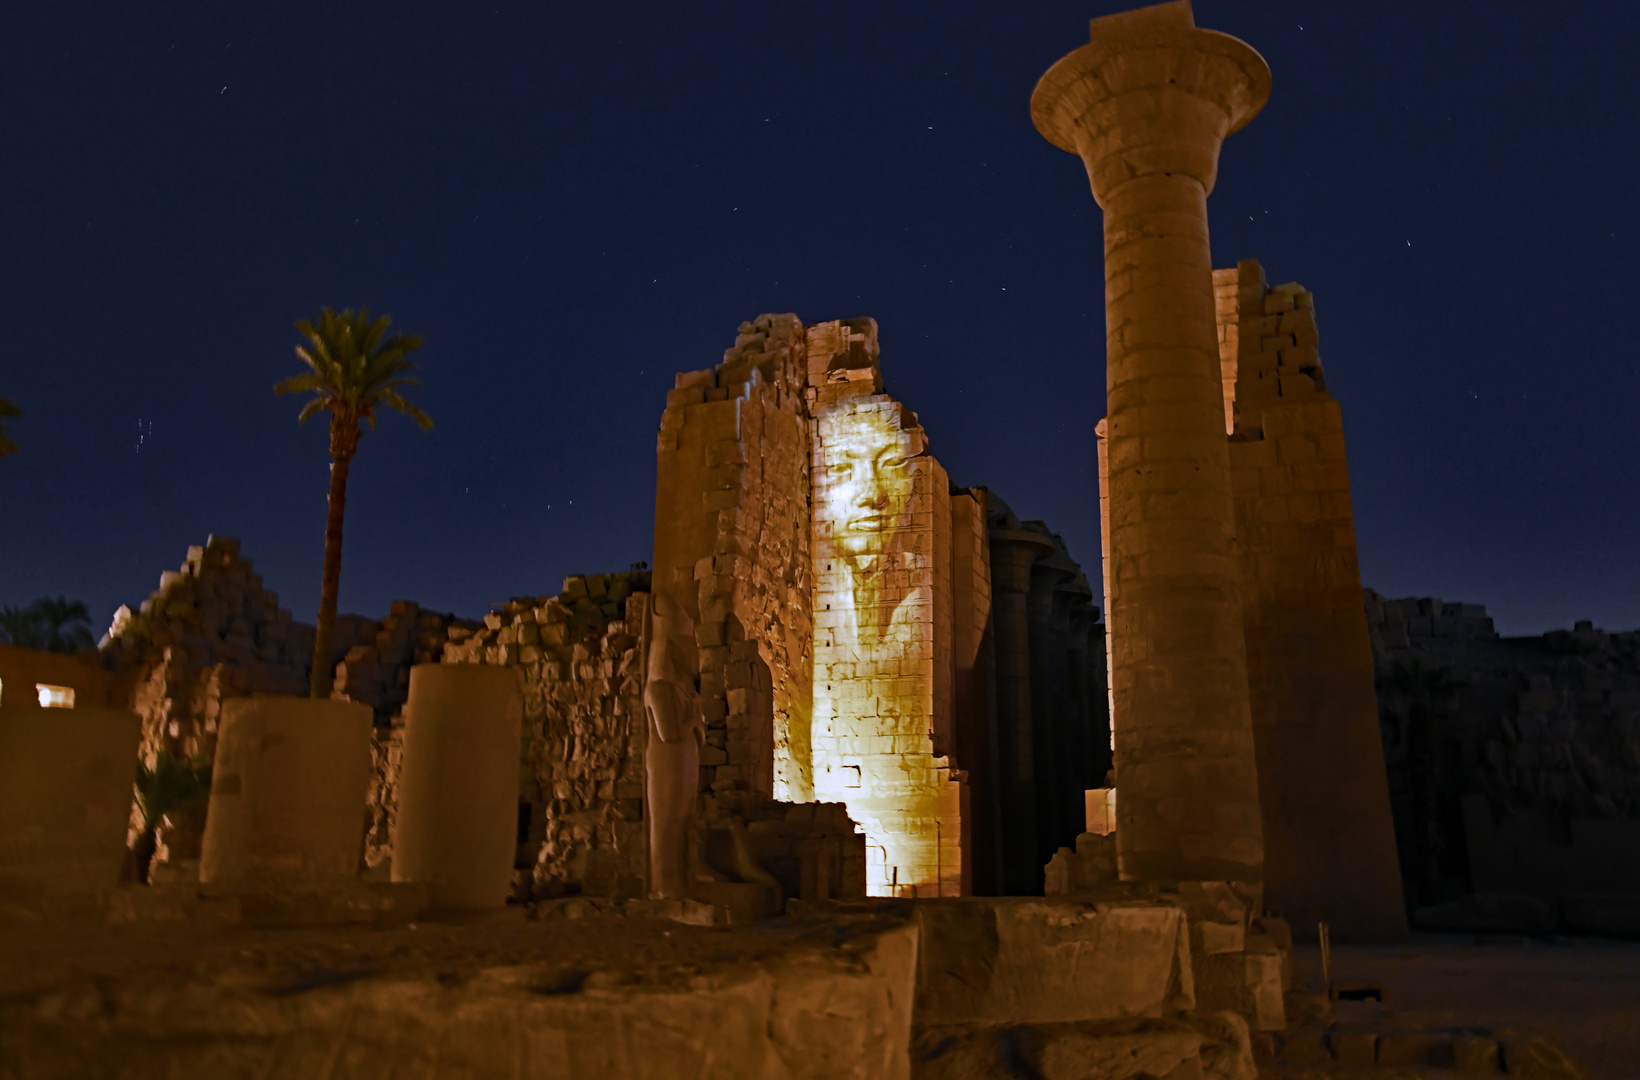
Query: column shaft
{"x":1186,"y":763}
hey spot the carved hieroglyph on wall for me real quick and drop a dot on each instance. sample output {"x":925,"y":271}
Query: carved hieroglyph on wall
{"x":881,"y":520}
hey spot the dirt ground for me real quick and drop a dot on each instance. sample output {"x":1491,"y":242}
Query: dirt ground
{"x":1582,"y":992}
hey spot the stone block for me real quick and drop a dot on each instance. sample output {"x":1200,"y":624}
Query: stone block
{"x":1248,"y":984}
{"x":1305,"y":1046}
{"x":287,"y":794}
{"x":65,"y":795}
{"x":1353,"y":1047}
{"x":999,"y":961}
{"x":1476,"y":1055}
{"x":1431,"y":1048}
{"x":1540,"y":1059}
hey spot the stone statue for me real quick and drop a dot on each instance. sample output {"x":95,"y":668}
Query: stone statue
{"x":671,"y":698}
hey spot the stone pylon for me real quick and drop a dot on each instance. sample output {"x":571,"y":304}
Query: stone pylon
{"x":1146,"y":105}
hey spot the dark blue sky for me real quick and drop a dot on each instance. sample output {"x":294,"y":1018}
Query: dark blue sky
{"x":570,"y":203}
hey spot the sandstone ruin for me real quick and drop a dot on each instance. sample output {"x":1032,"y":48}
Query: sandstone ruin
{"x":854,"y":781}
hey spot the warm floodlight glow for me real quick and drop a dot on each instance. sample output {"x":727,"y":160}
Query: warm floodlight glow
{"x":874,"y":528}
{"x":54,"y":697}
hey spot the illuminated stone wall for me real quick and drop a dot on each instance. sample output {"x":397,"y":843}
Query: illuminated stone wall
{"x":732,"y":547}
{"x":843,"y":604}
{"x":883,"y":677}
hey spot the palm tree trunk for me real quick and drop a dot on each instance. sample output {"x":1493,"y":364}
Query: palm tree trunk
{"x":344,"y":440}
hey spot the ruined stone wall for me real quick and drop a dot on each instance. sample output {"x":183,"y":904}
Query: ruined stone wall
{"x":882,"y":616}
{"x":1328,"y":838}
{"x":732,"y":546}
{"x":581,"y":770}
{"x":212,"y":632}
{"x":209,"y":632}
{"x":1514,"y":763}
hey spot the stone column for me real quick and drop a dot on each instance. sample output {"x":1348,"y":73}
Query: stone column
{"x":1013,"y":551}
{"x":1049,"y":724}
{"x":1146,"y":105}
{"x":458,"y":785}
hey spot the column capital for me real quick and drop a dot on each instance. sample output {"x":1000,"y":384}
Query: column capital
{"x":1151,"y":93}
{"x":1013,"y":552}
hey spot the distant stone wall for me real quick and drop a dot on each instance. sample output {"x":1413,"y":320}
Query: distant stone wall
{"x":1514,"y":763}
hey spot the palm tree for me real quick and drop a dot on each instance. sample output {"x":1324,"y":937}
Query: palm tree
{"x":351,"y":371}
{"x":7,"y":409}
{"x":61,"y":625}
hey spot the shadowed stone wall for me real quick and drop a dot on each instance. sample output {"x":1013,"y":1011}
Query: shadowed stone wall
{"x":1514,"y":762}
{"x":1328,"y":838}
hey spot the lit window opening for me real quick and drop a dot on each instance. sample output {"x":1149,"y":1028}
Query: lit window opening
{"x":55,"y":697}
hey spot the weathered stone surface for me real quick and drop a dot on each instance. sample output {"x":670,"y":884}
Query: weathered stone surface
{"x":1029,"y":961}
{"x":287,"y":795}
{"x":65,"y":795}
{"x":1184,"y":739}
{"x":458,"y":793}
{"x":582,"y":768}
{"x":1514,"y":763}
{"x":603,"y":997}
{"x":1329,"y":841}
{"x":1476,"y":1055}
{"x":1540,"y":1059}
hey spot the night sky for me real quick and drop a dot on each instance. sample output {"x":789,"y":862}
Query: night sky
{"x":570,"y":203}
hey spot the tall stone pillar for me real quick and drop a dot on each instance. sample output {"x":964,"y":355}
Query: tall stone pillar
{"x":1146,"y":105}
{"x":1013,"y":551}
{"x":1050,"y":725}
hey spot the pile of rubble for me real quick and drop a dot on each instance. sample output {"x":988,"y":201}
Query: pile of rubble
{"x":581,"y":656}
{"x":210,"y":631}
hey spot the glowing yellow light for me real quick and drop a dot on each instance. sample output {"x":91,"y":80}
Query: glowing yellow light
{"x":874,"y":648}
{"x":54,"y":697}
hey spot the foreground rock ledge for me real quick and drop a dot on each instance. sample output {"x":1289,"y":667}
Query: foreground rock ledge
{"x":502,"y":997}
{"x":886,"y":989}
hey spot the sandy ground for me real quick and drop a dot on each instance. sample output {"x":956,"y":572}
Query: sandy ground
{"x":1582,"y":992}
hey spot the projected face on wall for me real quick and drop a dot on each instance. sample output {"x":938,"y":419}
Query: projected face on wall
{"x":866,"y":484}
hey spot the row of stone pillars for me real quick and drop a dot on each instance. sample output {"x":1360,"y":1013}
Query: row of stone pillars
{"x":1053,"y":732}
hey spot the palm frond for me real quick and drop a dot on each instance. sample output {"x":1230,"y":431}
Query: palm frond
{"x":298,"y":384}
{"x":353,"y":366}
{"x":392,"y":400}
{"x":7,"y":447}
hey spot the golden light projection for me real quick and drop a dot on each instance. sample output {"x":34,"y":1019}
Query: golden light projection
{"x":877,"y":496}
